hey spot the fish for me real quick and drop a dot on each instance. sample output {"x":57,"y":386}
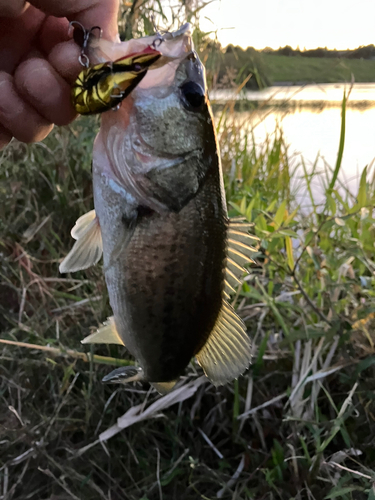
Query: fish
{"x":171,"y":257}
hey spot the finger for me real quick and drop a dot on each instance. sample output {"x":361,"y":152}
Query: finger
{"x":5,"y":137}
{"x":21,"y":119}
{"x":64,"y":58}
{"x":16,"y":37}
{"x":62,"y":52}
{"x":87,"y":12}
{"x":53,"y":31}
{"x":12,"y":8}
{"x":41,"y":86}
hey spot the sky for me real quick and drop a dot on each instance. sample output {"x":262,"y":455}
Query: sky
{"x":339,"y":24}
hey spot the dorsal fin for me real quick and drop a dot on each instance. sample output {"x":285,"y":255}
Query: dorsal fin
{"x":232,"y":279}
{"x":88,"y":248}
{"x":228,"y":288}
{"x":106,"y":334}
{"x":226,"y":354}
{"x":240,"y":252}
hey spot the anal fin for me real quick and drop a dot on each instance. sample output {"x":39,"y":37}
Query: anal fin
{"x":88,"y":248}
{"x":227,"y":351}
{"x":106,"y":334}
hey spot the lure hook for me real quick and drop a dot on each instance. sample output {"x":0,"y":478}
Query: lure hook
{"x":159,"y":37}
{"x":84,"y":60}
{"x":82,"y":37}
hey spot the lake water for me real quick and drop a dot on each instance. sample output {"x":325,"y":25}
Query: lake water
{"x":311,"y":124}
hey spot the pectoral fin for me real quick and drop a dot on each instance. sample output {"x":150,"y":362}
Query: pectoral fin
{"x":81,"y":225}
{"x":226,"y":354}
{"x":106,"y":334}
{"x":88,"y":248}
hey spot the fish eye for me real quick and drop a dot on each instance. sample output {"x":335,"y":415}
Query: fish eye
{"x":193,"y":95}
{"x":137,"y":67}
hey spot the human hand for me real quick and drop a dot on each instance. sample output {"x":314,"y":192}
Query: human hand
{"x":39,"y":62}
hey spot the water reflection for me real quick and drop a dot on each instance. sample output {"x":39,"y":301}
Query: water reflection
{"x":325,"y":92}
{"x":312,"y":132}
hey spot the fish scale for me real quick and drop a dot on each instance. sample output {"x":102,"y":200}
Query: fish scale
{"x":173,"y":291}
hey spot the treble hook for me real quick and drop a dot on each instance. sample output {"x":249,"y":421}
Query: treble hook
{"x":82,"y":37}
{"x":159,"y":37}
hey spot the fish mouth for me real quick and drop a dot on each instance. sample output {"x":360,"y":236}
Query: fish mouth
{"x":172,"y":45}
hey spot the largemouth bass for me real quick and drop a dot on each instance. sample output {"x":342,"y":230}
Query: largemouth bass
{"x":171,"y":256}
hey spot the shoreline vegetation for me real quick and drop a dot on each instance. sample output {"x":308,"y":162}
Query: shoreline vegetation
{"x":241,"y":103}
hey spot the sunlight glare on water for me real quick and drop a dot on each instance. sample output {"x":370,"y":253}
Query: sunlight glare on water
{"x":315,"y":130}
{"x":310,"y":133}
{"x":325,"y":92}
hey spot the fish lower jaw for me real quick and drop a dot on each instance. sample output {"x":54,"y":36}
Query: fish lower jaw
{"x":124,"y":375}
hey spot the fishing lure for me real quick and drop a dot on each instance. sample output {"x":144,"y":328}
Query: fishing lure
{"x":104,"y":86}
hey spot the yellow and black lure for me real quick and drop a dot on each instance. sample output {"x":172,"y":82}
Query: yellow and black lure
{"x":104,"y":86}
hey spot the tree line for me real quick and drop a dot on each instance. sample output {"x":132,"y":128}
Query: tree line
{"x":363,"y":52}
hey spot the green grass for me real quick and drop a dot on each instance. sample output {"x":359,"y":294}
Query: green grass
{"x":298,"y":425}
{"x":317,"y":70}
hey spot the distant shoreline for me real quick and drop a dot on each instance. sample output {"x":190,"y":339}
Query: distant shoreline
{"x":314,"y":96}
{"x":315,"y":69}
{"x":245,"y":104}
{"x":267,"y":69}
